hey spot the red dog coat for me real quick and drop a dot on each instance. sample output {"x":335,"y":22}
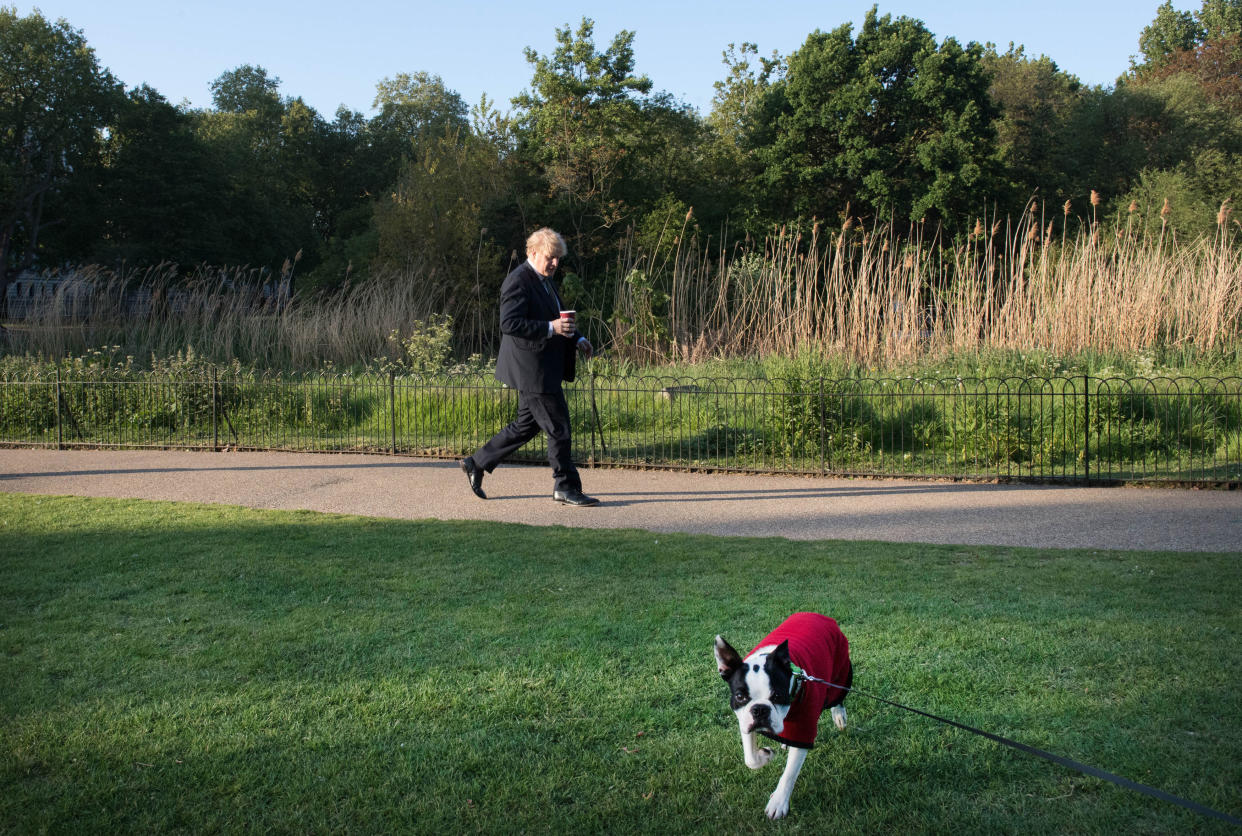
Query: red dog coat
{"x":817,"y":645}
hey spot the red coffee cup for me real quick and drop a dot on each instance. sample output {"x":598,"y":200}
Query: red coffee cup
{"x":569,"y":316}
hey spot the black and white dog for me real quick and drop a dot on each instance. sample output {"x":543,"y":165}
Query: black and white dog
{"x":780,"y":689}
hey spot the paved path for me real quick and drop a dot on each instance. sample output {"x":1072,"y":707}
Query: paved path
{"x":723,"y":504}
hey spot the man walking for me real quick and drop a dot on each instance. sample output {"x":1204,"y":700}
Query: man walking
{"x":537,"y":353}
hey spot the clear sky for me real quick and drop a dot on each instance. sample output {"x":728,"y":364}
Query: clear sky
{"x":334,"y":53}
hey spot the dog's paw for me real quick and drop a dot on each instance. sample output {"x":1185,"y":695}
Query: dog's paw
{"x":778,"y":806}
{"x":838,"y":716}
{"x":762,"y":756}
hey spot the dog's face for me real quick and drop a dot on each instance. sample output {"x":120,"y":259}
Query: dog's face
{"x":759,"y":686}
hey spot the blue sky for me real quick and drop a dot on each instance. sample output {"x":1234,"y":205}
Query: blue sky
{"x":333,"y":53}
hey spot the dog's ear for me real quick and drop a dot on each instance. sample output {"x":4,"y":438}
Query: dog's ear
{"x":780,"y":656}
{"x":727,"y":659}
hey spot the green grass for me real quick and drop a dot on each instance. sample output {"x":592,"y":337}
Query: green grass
{"x":183,"y":668}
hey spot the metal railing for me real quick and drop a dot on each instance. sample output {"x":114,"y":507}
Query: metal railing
{"x":1079,"y":429}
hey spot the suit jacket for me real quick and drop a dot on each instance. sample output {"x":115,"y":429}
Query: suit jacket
{"x":529,"y":359}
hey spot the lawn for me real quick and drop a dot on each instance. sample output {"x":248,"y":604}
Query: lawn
{"x":185,"y":668}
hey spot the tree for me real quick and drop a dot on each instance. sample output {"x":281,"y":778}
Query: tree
{"x":416,"y":106}
{"x":666,"y":148}
{"x":54,"y":101}
{"x":1184,"y":199}
{"x":430,"y":228}
{"x":349,"y":168}
{"x":739,"y":123}
{"x":739,"y":95}
{"x":1172,"y":31}
{"x":887,"y":122}
{"x":1180,"y":144}
{"x":412,"y":108}
{"x":1213,"y":55}
{"x":1215,"y":64}
{"x":266,"y":146}
{"x":1037,"y":103}
{"x":1220,"y":19}
{"x":162,"y":194}
{"x":246,"y":89}
{"x":1180,"y":117}
{"x":578,"y":126}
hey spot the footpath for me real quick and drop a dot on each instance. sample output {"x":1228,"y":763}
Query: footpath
{"x":800,"y":508}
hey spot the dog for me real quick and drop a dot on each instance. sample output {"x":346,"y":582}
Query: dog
{"x":780,"y":689}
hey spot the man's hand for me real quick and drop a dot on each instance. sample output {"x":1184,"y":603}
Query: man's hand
{"x":564,"y":327}
{"x":584,"y":345}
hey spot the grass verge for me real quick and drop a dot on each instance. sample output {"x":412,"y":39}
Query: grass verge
{"x":178,"y":668}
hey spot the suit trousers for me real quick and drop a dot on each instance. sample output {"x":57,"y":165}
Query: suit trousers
{"x":546,"y":411}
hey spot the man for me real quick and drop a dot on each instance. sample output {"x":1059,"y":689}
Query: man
{"x":536,"y":353}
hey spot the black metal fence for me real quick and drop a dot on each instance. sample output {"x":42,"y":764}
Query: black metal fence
{"x":1081,"y":429}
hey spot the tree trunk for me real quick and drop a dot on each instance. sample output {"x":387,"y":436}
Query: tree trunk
{"x":35,"y":219}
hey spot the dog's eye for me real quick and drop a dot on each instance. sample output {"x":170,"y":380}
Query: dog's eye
{"x":741,"y":696}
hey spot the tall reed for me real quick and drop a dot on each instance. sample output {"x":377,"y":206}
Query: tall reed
{"x":879,"y":297}
{"x":876,"y":295}
{"x":224,"y":315}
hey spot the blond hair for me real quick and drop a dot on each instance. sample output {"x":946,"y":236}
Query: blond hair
{"x":547,"y":242}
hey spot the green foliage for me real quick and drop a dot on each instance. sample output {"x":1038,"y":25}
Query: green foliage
{"x":347,"y":255}
{"x":425,"y":350}
{"x":1220,"y":19}
{"x":415,"y":107}
{"x":1189,"y":189}
{"x":661,"y":230}
{"x":163,"y":192}
{"x":246,"y":89}
{"x":432,"y":220}
{"x":55,"y":101}
{"x":885,"y":121}
{"x":104,"y":394}
{"x":582,"y":116}
{"x":428,"y":347}
{"x":646,"y":322}
{"x":1037,"y":103}
{"x":991,"y":430}
{"x":1172,"y":31}
{"x":817,"y":412}
{"x":1193,"y":156}
{"x":265,"y":150}
{"x":28,"y":409}
{"x":739,"y":96}
{"x":413,"y":112}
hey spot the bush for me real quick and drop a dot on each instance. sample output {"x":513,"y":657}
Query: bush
{"x":815,"y":413}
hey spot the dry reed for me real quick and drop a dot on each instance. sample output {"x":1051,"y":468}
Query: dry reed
{"x":868,"y":294}
{"x":880,"y":298}
{"x":224,"y":315}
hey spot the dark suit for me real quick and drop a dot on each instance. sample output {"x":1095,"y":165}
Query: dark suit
{"x":534,"y":364}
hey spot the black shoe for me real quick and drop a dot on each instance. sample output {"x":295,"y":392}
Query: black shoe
{"x":575,"y":498}
{"x":474,"y":475}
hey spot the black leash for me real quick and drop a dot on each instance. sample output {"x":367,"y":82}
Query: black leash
{"x":1040,"y":753}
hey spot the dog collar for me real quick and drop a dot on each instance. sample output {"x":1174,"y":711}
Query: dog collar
{"x":796,"y":683}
